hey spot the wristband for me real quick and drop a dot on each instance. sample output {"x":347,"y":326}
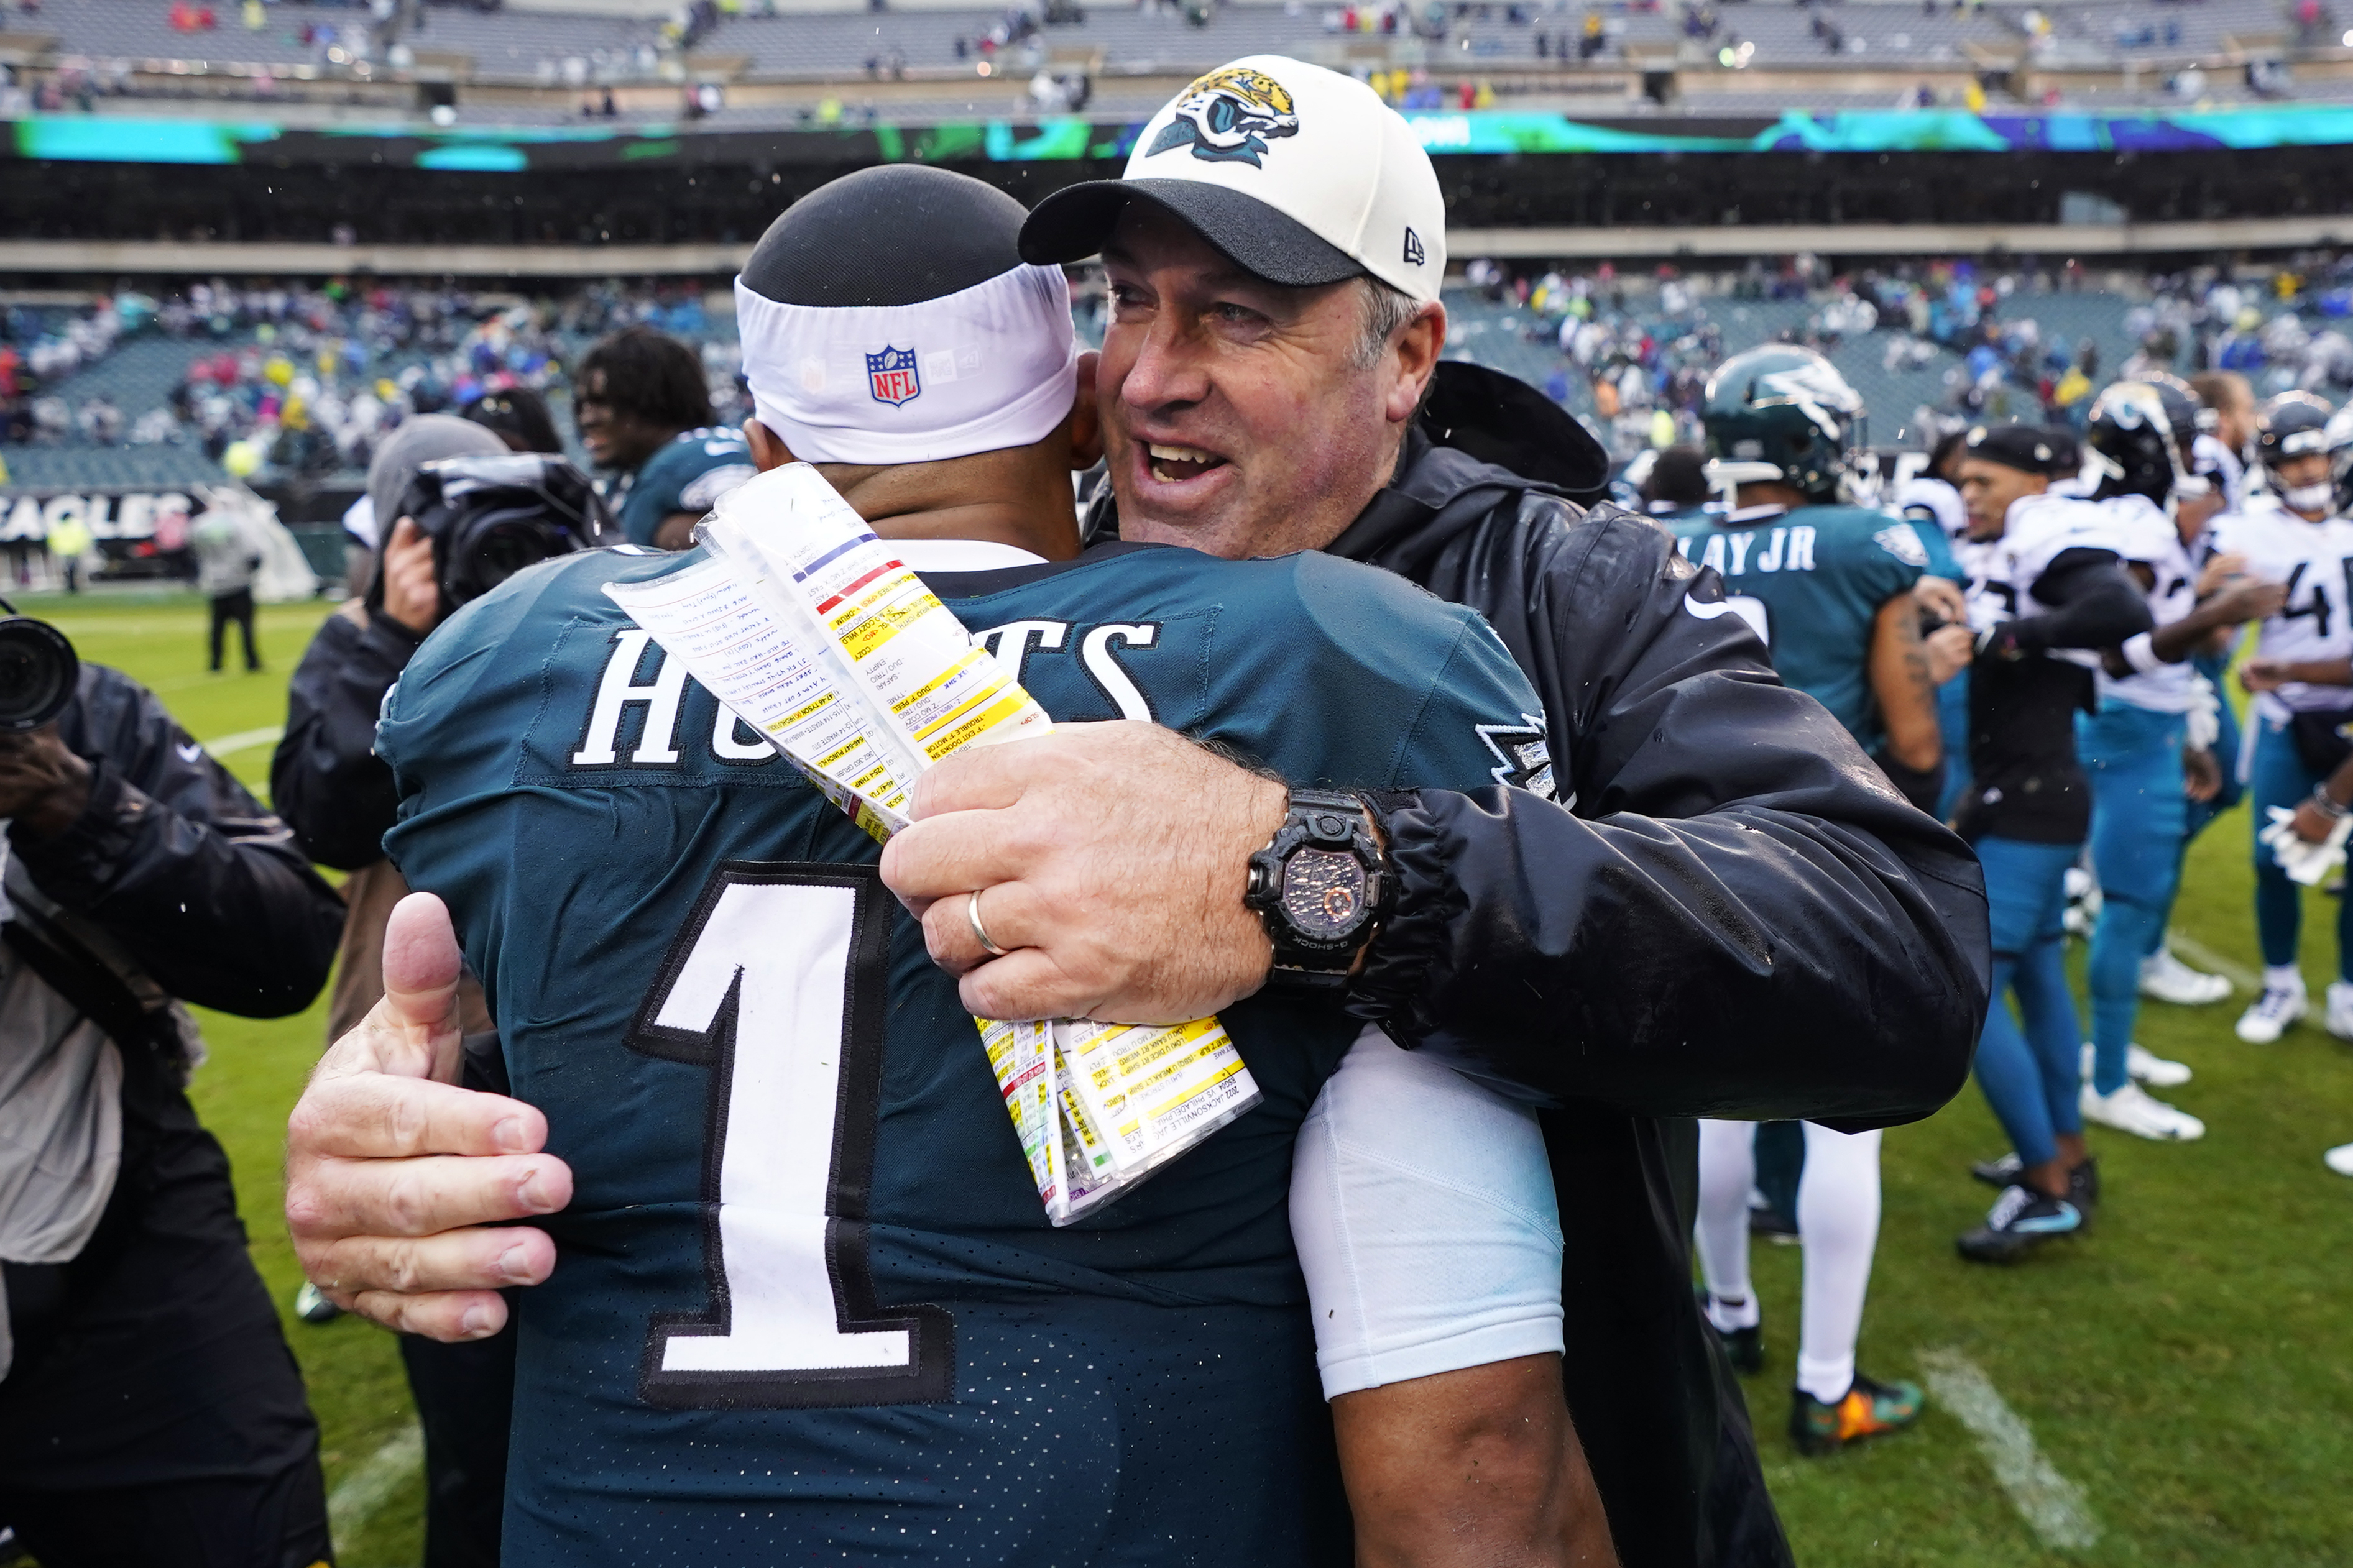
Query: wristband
{"x":2140,"y":652}
{"x":2326,"y":806}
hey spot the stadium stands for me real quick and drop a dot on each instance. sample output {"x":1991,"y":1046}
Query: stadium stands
{"x":1925,"y":345}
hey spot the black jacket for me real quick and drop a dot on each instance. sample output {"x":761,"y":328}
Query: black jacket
{"x":1734,"y":916}
{"x":326,"y":778}
{"x":202,"y":886}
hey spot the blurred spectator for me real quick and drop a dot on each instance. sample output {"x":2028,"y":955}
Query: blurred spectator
{"x":228,"y":557}
{"x":338,"y":798}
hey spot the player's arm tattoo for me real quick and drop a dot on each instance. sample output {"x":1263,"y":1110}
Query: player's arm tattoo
{"x":1904,"y":685}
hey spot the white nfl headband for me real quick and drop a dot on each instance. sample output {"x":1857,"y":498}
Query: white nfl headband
{"x":987,"y":367}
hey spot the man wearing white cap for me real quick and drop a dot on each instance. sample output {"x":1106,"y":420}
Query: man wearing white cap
{"x":1727,"y":913}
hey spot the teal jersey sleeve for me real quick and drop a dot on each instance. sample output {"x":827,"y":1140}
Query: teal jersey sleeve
{"x":1942,"y":561}
{"x":693,"y":470}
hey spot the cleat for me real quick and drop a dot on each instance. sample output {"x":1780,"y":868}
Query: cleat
{"x":313,"y":1308}
{"x":2130,"y":1109}
{"x":1769,"y":1224}
{"x":2145,"y":1066}
{"x":2021,"y":1220}
{"x":1744,"y":1348}
{"x":1999,"y":1174}
{"x":2083,"y":1188}
{"x":2273,"y":1011}
{"x":2165,"y":978}
{"x":1869,"y":1410}
{"x":2339,"y":1159}
{"x":2338,"y":1015}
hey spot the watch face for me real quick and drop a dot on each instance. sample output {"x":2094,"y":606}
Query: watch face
{"x":1322,"y":893}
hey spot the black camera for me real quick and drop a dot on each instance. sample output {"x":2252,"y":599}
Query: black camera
{"x":39,"y":671}
{"x":489,"y":516}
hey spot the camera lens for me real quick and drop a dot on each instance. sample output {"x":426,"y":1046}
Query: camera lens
{"x":37,"y":671}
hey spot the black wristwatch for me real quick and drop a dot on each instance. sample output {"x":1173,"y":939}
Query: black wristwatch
{"x":1321,"y":885}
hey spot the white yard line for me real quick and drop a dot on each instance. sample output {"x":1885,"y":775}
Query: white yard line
{"x":2051,"y":1505}
{"x":358,"y":1496}
{"x":244,"y":741}
{"x":2198,"y":952}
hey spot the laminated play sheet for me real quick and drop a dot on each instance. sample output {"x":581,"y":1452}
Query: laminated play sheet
{"x":817,"y":635}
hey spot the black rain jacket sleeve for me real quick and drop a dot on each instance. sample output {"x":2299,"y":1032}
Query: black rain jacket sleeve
{"x":326,"y":778}
{"x":2097,"y":605}
{"x":1731,"y":913}
{"x":201,"y":884}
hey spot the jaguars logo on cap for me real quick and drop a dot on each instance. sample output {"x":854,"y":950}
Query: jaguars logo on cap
{"x":1229,"y":116}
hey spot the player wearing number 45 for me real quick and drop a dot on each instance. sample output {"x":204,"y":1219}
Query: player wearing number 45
{"x":808,"y":1301}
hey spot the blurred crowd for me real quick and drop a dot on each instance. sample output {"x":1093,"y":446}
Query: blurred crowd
{"x":307,"y":382}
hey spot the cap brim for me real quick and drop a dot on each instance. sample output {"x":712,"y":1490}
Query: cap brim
{"x":1077,"y":221}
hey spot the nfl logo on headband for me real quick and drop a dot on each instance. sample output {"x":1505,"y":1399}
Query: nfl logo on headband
{"x":891,"y":375}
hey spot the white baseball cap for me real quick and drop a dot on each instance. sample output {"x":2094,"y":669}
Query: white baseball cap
{"x":1299,"y":173}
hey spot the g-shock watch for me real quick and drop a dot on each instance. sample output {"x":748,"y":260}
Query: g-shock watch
{"x":1320,"y":885}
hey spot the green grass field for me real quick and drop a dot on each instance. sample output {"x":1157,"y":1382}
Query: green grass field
{"x":2188,"y":1366}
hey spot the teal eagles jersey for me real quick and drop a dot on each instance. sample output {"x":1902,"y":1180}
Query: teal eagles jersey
{"x":1811,"y":581}
{"x":688,"y":473}
{"x":807,"y":1304}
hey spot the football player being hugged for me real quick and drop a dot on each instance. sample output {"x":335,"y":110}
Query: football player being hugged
{"x":2291,"y":533}
{"x":643,"y":406}
{"x":2148,"y":749}
{"x":2048,"y":588}
{"x":809,"y":1299}
{"x":1831,"y":589}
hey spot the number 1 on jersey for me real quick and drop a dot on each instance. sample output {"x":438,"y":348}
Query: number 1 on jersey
{"x":777,"y":984}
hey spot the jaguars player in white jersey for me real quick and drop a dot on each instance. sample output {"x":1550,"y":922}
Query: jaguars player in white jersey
{"x":2290,"y":535}
{"x":2137,"y":748}
{"x":2047,"y":588}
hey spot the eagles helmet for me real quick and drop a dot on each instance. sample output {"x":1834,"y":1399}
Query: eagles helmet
{"x":1788,"y":407}
{"x":2139,"y":438}
{"x":2292,"y":425}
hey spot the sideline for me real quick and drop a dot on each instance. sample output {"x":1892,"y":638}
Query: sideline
{"x":2051,"y":1505}
{"x":2186,"y":946}
{"x":359,"y":1495}
{"x":244,"y":741}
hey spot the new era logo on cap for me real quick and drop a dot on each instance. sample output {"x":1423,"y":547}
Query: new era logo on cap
{"x":1268,"y":133}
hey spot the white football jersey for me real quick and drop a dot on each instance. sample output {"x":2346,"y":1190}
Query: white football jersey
{"x":2152,"y":541}
{"x":2316,"y":623}
{"x":2038,"y":531}
{"x":1923,"y":497}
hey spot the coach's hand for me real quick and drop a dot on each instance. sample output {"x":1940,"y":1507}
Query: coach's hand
{"x":394,"y":1175}
{"x":1110,"y":860}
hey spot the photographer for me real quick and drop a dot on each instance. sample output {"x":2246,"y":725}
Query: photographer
{"x":339,"y":797}
{"x":149,"y":1411}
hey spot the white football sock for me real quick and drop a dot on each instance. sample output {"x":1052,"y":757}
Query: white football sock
{"x":1727,"y":1170}
{"x":2282,"y":977}
{"x":1838,"y":1220}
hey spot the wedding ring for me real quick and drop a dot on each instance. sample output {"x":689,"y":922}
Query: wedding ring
{"x":981,"y":932}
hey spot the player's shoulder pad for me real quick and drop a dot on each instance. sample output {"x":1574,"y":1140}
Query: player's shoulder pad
{"x":1377,"y":618}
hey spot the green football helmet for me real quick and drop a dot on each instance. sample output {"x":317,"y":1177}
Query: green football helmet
{"x":1788,"y":407}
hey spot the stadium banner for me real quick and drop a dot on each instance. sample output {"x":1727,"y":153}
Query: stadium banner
{"x":124,"y":139}
{"x":137,"y":530}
